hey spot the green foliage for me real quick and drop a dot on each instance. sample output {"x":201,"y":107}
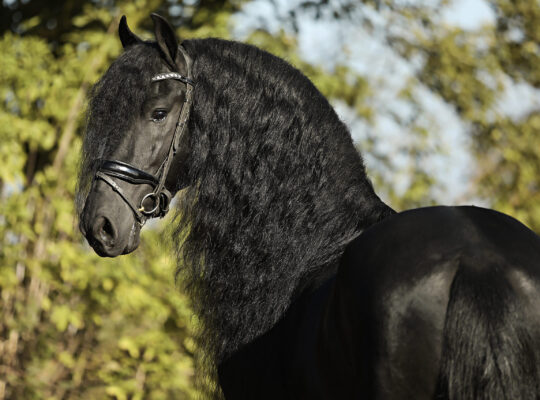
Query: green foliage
{"x":471,"y":71}
{"x":518,"y":39}
{"x":509,"y":160}
{"x":455,"y":68}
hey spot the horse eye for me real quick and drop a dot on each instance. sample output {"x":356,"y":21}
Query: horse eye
{"x":159,"y":115}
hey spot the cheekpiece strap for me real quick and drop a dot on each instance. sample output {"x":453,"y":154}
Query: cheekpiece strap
{"x":182,"y":118}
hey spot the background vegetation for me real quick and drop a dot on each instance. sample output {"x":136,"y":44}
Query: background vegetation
{"x":74,"y":326}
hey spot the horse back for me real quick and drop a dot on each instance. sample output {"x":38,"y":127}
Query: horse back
{"x":397,"y":281}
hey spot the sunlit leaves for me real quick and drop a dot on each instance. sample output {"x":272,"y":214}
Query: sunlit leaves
{"x":472,"y":71}
{"x":518,"y":33}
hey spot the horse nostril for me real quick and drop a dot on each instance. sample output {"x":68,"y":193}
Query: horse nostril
{"x":104,"y":231}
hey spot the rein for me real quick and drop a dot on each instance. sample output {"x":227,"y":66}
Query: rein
{"x":159,"y":198}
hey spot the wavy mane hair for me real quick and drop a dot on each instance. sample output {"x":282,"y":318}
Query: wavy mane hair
{"x":278,"y":192}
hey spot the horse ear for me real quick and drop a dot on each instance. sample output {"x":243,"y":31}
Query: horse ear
{"x":127,"y":37}
{"x":166,"y":39}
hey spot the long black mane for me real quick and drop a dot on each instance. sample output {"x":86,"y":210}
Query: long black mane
{"x":279,"y":190}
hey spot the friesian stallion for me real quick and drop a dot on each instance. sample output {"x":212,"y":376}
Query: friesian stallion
{"x":306,"y":285}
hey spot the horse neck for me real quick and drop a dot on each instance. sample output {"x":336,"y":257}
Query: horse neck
{"x":290,"y":354}
{"x":274,"y":203}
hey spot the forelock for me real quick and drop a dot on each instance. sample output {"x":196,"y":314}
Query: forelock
{"x":117,"y":98}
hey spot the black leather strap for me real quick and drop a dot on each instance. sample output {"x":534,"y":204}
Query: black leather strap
{"x":127,"y":172}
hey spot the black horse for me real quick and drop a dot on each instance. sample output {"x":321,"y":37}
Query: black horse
{"x":305,"y":283}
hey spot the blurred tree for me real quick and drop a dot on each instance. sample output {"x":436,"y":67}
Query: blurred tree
{"x":473,"y":71}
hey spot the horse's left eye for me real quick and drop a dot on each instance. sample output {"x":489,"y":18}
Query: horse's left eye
{"x":159,"y":115}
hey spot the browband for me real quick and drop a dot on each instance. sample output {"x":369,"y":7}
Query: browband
{"x":173,"y":75}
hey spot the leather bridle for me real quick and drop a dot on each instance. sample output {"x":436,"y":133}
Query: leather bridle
{"x":159,"y":198}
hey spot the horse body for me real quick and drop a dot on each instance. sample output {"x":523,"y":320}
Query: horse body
{"x":305,"y":283}
{"x":384,"y":326}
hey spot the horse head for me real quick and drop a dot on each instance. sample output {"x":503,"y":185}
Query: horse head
{"x":135,"y":148}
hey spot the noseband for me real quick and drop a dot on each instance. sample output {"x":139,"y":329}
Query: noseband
{"x":156,"y":202}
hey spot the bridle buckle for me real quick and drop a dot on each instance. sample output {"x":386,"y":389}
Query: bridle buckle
{"x":160,"y":202}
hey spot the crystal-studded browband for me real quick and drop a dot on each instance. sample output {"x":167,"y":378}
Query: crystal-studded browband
{"x":173,"y":75}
